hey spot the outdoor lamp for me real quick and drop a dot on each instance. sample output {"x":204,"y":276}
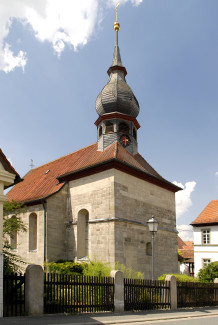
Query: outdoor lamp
{"x":152,"y":226}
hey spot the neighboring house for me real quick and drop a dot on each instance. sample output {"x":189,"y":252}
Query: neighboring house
{"x":96,"y":201}
{"x":205,"y":228}
{"x":186,"y":249}
{"x":8,"y":176}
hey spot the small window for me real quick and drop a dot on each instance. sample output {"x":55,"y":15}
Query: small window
{"x":109,"y":127}
{"x":206,"y":237}
{"x":100,"y":131}
{"x":123,"y":128}
{"x":33,"y":232}
{"x":206,"y":262}
{"x":134,"y":134}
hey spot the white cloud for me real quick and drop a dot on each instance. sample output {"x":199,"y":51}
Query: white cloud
{"x":216,"y":173}
{"x":185,"y":232}
{"x":112,"y":3}
{"x":183,"y":198}
{"x":60,"y":22}
{"x":10,"y":61}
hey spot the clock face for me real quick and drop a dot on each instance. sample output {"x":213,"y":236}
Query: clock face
{"x":124,"y":140}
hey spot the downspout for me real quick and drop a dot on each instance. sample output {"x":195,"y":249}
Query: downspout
{"x":44,"y":203}
{"x":68,"y":220}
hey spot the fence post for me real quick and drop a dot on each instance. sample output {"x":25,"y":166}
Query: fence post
{"x":173,"y":291}
{"x":34,"y":288}
{"x":118,"y":291}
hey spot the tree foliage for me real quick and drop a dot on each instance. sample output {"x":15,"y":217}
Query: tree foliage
{"x":12,"y":224}
{"x":209,"y":273}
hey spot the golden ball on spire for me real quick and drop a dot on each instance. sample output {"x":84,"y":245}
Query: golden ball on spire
{"x":116,"y":26}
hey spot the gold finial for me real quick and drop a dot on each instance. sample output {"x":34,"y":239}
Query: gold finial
{"x":116,"y":24}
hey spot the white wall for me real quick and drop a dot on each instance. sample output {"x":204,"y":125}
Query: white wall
{"x":206,"y":251}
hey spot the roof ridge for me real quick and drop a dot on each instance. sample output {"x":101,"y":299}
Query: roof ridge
{"x":52,"y":161}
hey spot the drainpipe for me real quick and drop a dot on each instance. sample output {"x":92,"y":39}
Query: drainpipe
{"x":44,"y":203}
{"x":68,"y":220}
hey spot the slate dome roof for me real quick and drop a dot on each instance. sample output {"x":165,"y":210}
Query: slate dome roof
{"x":117,"y":96}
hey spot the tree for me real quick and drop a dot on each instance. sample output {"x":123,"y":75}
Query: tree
{"x":209,"y":273}
{"x":12,"y":224}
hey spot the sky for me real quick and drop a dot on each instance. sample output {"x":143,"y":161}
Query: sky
{"x":54,"y":56}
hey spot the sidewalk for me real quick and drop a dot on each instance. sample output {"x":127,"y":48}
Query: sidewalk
{"x":111,"y":318}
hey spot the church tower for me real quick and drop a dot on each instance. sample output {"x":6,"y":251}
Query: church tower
{"x":117,"y":107}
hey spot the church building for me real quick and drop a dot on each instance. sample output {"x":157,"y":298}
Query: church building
{"x":96,"y":202}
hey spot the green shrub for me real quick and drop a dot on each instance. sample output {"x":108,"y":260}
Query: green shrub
{"x":97,"y":268}
{"x":65,"y":267}
{"x":209,"y":273}
{"x":128,"y":273}
{"x":180,"y":278}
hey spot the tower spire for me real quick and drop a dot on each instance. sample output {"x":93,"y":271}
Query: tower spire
{"x":116,"y":57}
{"x":117,"y":25}
{"x":117,"y":106}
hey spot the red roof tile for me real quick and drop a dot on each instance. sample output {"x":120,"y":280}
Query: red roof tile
{"x":208,"y":215}
{"x":181,"y":243}
{"x":42,"y":182}
{"x":186,"y":248}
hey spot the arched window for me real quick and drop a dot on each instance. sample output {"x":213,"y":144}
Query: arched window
{"x":82,"y":233}
{"x":123,"y":128}
{"x":13,"y":237}
{"x":134,"y":134}
{"x":109,"y":127}
{"x":148,"y":249}
{"x":100,"y":131}
{"x":33,"y":232}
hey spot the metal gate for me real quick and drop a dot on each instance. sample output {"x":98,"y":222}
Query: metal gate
{"x":13,"y":295}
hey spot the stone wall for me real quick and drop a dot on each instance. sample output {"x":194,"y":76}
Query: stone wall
{"x":119,"y":206}
{"x":57,"y":223}
{"x":135,"y":202}
{"x":95,"y":194}
{"x":36,"y":256}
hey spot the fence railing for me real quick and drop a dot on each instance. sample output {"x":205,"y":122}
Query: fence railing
{"x":146,"y":294}
{"x":13,"y":295}
{"x":66,"y":293}
{"x":194,"y":294}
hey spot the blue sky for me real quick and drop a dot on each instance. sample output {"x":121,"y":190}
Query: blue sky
{"x":54,"y":55}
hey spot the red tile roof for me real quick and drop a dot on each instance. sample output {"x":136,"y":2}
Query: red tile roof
{"x":43,"y":181}
{"x":208,"y":215}
{"x":187,"y":249}
{"x":181,"y":243}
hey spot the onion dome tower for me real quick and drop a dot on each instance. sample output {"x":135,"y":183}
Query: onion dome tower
{"x":117,"y":107}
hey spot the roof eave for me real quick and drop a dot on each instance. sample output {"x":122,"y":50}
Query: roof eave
{"x":16,"y":181}
{"x":39,"y":200}
{"x":117,"y":164}
{"x":203,"y":224}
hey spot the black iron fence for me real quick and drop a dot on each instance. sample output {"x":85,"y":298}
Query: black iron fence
{"x":13,"y":295}
{"x":66,"y":293}
{"x":194,"y":294}
{"x":146,"y":294}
